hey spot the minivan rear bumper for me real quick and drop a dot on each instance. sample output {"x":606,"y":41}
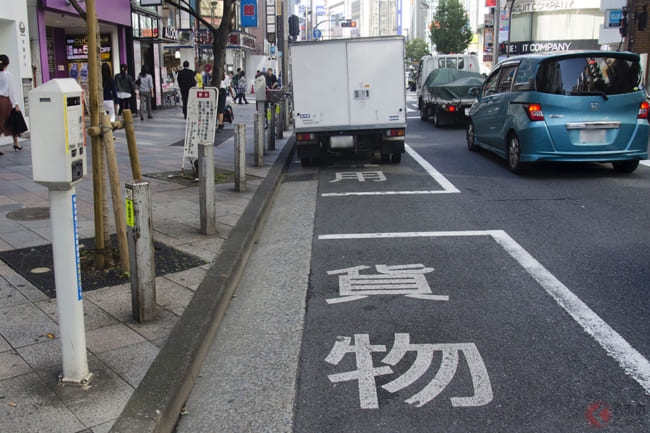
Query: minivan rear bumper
{"x":543,"y":148}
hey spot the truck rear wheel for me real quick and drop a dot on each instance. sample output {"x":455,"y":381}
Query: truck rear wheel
{"x":396,"y":158}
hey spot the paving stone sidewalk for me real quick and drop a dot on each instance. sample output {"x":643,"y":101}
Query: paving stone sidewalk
{"x":120,"y":350}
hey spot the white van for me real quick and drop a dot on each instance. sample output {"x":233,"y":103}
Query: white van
{"x":464,"y":62}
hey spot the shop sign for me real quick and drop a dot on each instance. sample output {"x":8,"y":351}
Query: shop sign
{"x":77,"y":47}
{"x":613,"y":18}
{"x":248,"y":13}
{"x":170,"y":33}
{"x":241,"y":40}
{"x":528,"y":6}
{"x":527,"y":47}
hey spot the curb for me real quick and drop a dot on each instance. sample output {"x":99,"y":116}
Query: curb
{"x":155,"y":405}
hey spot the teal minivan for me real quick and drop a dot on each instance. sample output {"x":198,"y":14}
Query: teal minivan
{"x":577,"y":106}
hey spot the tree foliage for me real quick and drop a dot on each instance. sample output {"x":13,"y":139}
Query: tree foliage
{"x":416,"y":49}
{"x":450,"y":31}
{"x":220,"y":34}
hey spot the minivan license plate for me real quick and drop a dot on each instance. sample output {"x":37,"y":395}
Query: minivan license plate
{"x":592,"y":136}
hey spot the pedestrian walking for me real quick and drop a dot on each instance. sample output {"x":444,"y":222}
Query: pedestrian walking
{"x":186,"y":80}
{"x":221,"y":101}
{"x":145,"y":86}
{"x":242,"y":85}
{"x":125,"y":86}
{"x":110,"y":91}
{"x":7,"y":101}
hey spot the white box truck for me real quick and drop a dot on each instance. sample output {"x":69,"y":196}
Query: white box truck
{"x":349,"y":96}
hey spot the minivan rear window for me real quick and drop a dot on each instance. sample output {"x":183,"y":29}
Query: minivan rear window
{"x":605,"y":75}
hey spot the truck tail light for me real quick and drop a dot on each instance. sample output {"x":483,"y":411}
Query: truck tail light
{"x":395,"y":132}
{"x":534,"y":112}
{"x":452,"y":109}
{"x":305,"y":137}
{"x":643,"y":110}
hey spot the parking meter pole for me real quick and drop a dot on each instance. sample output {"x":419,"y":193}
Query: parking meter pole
{"x":67,"y":280}
{"x":258,"y":131}
{"x":140,"y":240}
{"x":240,"y":157}
{"x":206,"y":189}
{"x":272,"y":128}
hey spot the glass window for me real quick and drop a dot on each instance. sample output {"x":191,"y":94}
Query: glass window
{"x":135,"y":23}
{"x":506,"y":78}
{"x":490,"y":84}
{"x":608,"y":75}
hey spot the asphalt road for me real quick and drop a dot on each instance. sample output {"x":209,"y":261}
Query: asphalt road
{"x":449,"y":295}
{"x":442,"y":294}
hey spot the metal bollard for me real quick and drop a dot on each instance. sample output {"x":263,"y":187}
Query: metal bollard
{"x":240,"y":157}
{"x":258,"y":132}
{"x":272,"y":128}
{"x":206,"y":189}
{"x":140,"y":237}
{"x":279,"y":121}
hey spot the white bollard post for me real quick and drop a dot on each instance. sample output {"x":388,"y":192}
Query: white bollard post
{"x":258,"y":131}
{"x":206,"y":189}
{"x":67,"y":280}
{"x":240,"y":157}
{"x":141,"y":259}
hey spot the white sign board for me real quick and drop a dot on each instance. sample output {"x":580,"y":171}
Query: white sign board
{"x":201,"y":121}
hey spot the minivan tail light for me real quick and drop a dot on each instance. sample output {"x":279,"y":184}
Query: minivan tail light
{"x":534,"y":112}
{"x":643,"y":110}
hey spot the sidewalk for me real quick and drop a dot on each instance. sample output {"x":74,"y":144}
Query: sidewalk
{"x":120,"y":350}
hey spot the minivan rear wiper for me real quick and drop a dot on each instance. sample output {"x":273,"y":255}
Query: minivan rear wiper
{"x":591,"y":92}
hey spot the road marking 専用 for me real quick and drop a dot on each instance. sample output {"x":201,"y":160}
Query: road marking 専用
{"x":447,"y":187}
{"x":633,"y":363}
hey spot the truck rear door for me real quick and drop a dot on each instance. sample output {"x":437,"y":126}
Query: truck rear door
{"x":320,"y":91}
{"x":376,"y":71}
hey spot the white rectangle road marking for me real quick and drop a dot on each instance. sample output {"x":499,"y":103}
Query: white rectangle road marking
{"x":447,"y":187}
{"x":633,"y":363}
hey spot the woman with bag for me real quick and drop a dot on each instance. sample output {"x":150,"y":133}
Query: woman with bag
{"x":8,"y":102}
{"x":125,"y":88}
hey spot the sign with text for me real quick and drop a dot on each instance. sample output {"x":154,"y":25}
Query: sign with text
{"x":248,"y":13}
{"x":201,"y":121}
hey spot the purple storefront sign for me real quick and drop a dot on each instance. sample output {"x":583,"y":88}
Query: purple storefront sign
{"x":114,"y":11}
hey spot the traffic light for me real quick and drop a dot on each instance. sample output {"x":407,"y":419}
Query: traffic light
{"x":294,"y":26}
{"x":348,"y":23}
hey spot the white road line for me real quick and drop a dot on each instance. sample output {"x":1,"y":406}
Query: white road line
{"x":633,"y":363}
{"x":447,"y":187}
{"x":645,"y":162}
{"x":435,"y":174}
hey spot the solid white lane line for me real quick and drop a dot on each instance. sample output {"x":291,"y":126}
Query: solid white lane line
{"x":634,"y":364}
{"x":435,"y":174}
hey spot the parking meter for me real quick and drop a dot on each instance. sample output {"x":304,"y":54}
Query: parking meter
{"x":57,"y":133}
{"x":260,"y":88}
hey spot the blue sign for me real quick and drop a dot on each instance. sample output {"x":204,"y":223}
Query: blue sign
{"x":248,"y":13}
{"x":320,"y":10}
{"x":317,"y":34}
{"x":615,"y":17}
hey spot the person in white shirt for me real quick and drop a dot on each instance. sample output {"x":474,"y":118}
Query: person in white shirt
{"x":7,"y":100}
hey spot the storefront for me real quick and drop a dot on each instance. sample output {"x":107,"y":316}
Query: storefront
{"x":61,"y":41}
{"x":538,"y":25}
{"x":14,"y":42}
